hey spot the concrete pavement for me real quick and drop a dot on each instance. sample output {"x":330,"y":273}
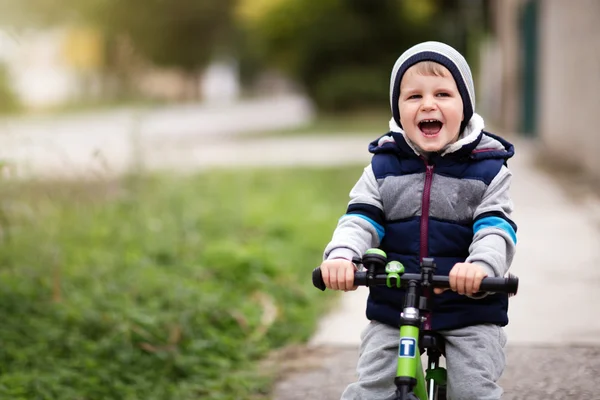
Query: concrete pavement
{"x":112,"y":142}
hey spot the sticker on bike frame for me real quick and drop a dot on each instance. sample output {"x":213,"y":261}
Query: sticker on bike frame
{"x":408,"y":348}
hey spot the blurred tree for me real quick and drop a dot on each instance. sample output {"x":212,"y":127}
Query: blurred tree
{"x":180,"y":33}
{"x":174,"y":33}
{"x":184,"y":34}
{"x":28,"y":13}
{"x":342,"y":51}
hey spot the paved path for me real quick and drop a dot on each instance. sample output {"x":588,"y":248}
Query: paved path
{"x":112,"y":142}
{"x":533,"y":373}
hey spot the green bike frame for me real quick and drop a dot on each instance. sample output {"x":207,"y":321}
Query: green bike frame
{"x":409,"y":356}
{"x":409,"y":359}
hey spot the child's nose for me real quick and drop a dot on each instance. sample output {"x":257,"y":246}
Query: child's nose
{"x":428,"y":103}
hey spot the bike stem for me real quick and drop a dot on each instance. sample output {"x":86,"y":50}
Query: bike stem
{"x":427,"y":272}
{"x":416,"y":299}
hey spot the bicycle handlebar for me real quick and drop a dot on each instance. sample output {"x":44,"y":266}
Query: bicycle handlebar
{"x":508,"y":284}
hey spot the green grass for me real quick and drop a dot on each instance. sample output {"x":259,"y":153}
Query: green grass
{"x":160,"y":287}
{"x":367,"y":122}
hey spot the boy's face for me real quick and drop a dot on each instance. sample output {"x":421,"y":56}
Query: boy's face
{"x":431,"y":109}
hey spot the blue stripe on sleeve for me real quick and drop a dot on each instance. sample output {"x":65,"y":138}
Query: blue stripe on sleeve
{"x":368,"y":210}
{"x":495,"y":222}
{"x":378,"y":228}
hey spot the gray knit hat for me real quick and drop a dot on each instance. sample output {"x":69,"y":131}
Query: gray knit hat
{"x":442,"y":54}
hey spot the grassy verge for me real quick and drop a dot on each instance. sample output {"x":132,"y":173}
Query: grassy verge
{"x":160,"y":287}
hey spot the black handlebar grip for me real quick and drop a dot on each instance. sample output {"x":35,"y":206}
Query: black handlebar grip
{"x":317,"y":279}
{"x":509,"y":284}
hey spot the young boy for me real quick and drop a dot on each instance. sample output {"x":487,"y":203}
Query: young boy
{"x":437,"y":186}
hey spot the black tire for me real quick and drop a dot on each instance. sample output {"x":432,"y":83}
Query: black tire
{"x":411,"y":396}
{"x":441,"y":393}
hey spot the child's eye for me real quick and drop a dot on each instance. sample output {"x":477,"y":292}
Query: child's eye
{"x":414,"y":96}
{"x":443,"y":94}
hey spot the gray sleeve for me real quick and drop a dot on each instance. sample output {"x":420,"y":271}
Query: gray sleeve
{"x":494,"y":239}
{"x":361,"y":227}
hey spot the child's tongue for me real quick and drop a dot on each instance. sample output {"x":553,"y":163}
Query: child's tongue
{"x":430,"y":128}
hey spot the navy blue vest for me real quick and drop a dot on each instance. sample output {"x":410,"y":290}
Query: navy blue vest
{"x":410,"y":237}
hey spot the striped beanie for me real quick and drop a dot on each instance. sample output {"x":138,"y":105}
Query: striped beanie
{"x":442,"y":54}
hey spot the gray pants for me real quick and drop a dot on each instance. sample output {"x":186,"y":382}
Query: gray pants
{"x":474,"y":361}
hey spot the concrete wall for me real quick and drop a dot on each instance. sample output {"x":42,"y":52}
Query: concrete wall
{"x":499,"y":79}
{"x":507,"y":31}
{"x":569,"y":81}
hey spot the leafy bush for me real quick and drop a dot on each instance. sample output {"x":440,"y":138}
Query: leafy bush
{"x":342,"y":52}
{"x":161,"y":287}
{"x":353,"y":88}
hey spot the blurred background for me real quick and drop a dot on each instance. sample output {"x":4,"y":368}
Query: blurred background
{"x":172,"y":169}
{"x":535,"y":62}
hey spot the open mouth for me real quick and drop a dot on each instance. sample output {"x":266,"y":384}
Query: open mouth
{"x":430,"y":127}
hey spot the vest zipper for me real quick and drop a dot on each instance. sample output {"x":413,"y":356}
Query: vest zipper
{"x":425,"y":211}
{"x":425,"y":231}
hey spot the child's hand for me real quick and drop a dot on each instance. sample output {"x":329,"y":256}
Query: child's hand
{"x":338,"y":274}
{"x":465,"y":278}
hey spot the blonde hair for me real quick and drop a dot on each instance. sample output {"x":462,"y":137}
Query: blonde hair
{"x":430,"y":68}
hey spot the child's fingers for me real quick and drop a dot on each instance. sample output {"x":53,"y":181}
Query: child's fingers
{"x":469,"y":280}
{"x":461,"y":275}
{"x":465,"y":278}
{"x":350,"y":279}
{"x":333,"y":278}
{"x":326,"y":276}
{"x":477,"y":281}
{"x":341,"y":278}
{"x":452,"y":279}
{"x":329,"y":274}
{"x":456,"y":279}
{"x":338,"y":274}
